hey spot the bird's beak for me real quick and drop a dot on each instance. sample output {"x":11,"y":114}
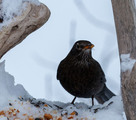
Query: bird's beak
{"x":89,"y":46}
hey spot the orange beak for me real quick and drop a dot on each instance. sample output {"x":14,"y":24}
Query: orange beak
{"x":89,"y":46}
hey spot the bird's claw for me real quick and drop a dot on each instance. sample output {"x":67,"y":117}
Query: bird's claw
{"x":100,"y":108}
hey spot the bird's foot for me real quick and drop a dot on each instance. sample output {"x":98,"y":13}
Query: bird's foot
{"x":72,"y":103}
{"x":95,"y":110}
{"x":90,"y":107}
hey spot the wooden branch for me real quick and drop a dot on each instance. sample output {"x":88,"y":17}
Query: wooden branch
{"x":33,"y":17}
{"x":125,"y":21}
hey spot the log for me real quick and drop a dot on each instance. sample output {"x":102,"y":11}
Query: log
{"x":32,"y":18}
{"x":125,"y":21}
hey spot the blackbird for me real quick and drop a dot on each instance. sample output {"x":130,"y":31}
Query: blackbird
{"x":81,"y":75}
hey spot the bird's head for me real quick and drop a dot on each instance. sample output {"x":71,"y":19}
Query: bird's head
{"x":82,"y":46}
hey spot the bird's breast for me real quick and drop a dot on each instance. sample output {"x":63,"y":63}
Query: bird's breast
{"x":81,"y":78}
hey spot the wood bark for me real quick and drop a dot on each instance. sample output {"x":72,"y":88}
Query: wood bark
{"x":125,"y":21}
{"x":33,"y":17}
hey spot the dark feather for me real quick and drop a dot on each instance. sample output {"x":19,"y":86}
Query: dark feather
{"x":81,"y":75}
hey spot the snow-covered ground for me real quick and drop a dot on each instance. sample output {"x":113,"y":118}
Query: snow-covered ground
{"x":15,"y":103}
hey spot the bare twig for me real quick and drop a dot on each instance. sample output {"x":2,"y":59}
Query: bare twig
{"x":92,"y":19}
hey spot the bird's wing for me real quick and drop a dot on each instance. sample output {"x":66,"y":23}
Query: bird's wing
{"x":97,"y":70}
{"x":60,"y":70}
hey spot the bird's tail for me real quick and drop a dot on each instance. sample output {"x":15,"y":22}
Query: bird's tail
{"x":104,"y":95}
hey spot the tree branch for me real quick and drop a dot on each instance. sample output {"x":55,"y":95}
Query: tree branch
{"x":33,"y":17}
{"x":125,"y":21}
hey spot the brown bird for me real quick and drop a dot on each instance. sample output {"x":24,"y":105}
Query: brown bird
{"x":81,"y":75}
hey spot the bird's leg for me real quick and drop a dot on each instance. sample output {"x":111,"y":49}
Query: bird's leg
{"x":73,"y":100}
{"x":92,"y":100}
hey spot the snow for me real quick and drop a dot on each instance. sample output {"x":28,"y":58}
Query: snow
{"x":17,"y":108}
{"x":124,"y":116}
{"x":8,"y":89}
{"x":127,"y":63}
{"x":12,"y":8}
{"x":3,"y":118}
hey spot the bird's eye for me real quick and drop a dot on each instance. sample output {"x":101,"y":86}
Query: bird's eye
{"x":77,"y":46}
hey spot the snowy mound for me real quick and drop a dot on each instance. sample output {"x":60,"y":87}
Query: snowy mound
{"x":13,"y":107}
{"x":8,"y":89}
